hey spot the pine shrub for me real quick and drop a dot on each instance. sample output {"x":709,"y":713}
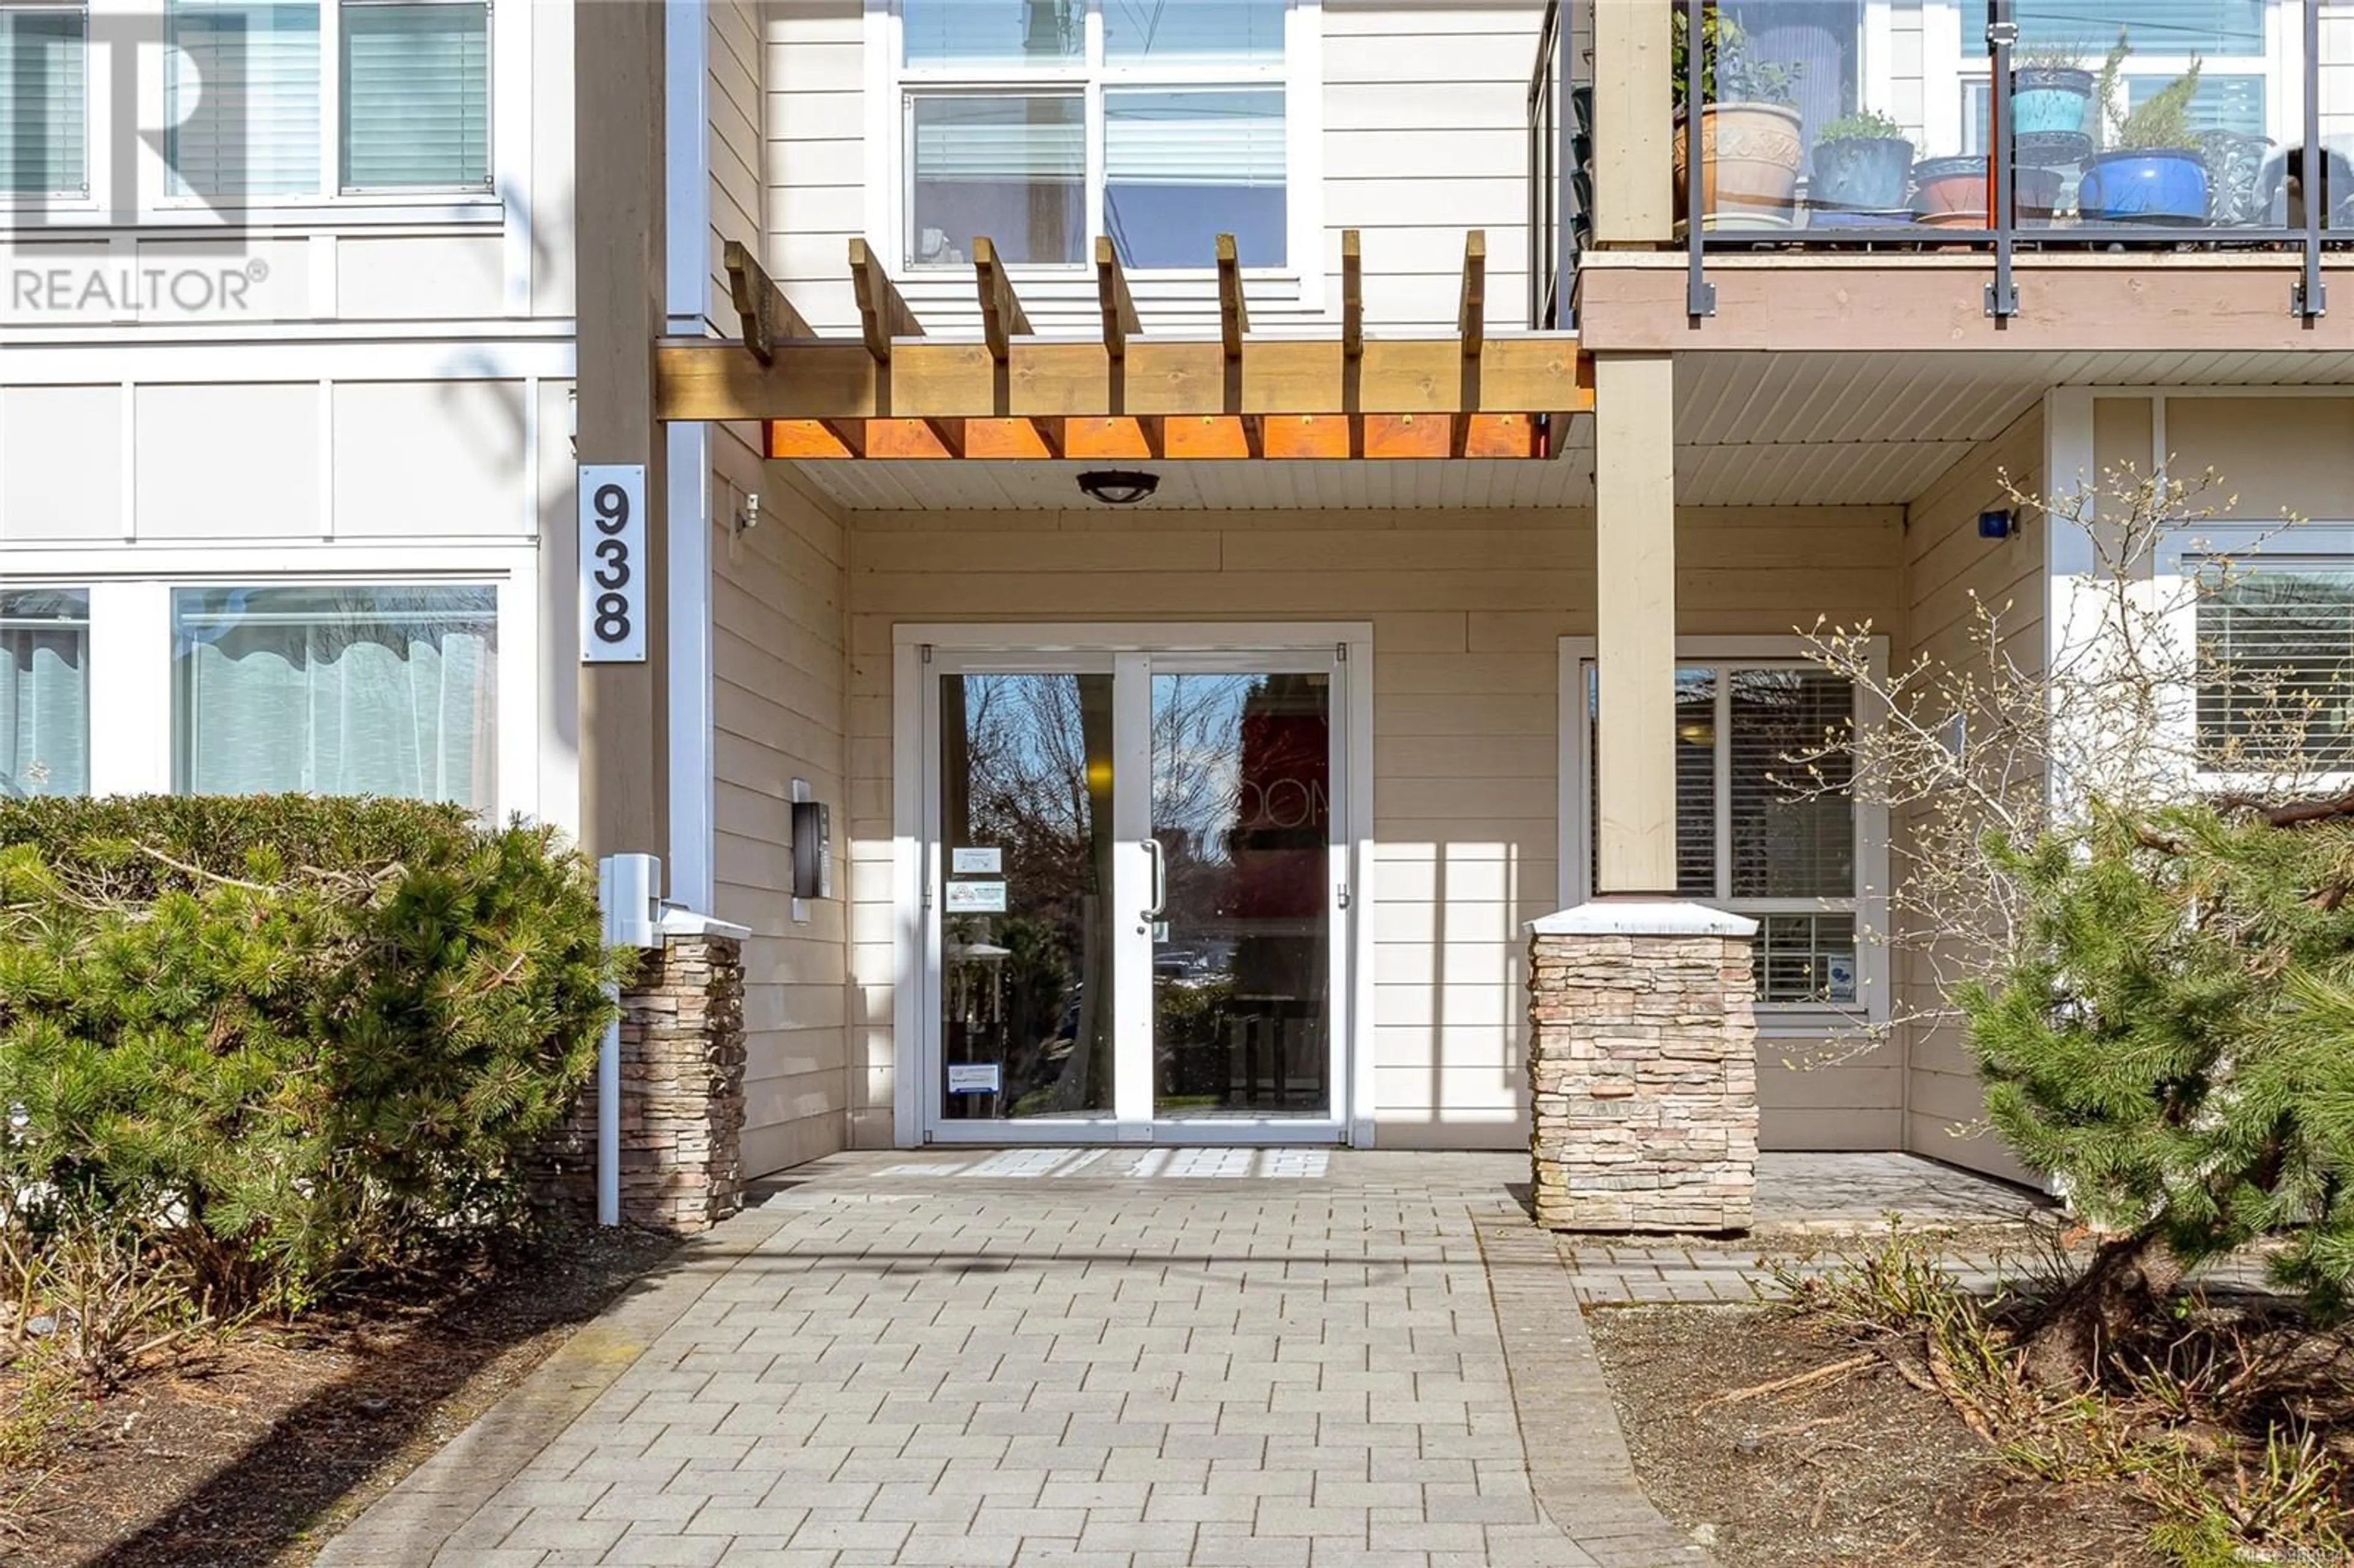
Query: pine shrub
{"x":289,"y":1036}
{"x":2178,"y":1045}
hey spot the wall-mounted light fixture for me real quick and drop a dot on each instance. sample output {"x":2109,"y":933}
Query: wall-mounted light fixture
{"x":1118,"y":487}
{"x":748,"y":516}
{"x":1996,"y":526}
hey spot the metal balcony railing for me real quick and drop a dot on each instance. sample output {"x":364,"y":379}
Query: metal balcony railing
{"x":1558,"y":192}
{"x":1834,"y":125}
{"x":2121,"y":125}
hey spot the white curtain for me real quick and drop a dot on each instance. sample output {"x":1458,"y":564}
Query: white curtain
{"x":342,"y":691}
{"x":44,"y":695}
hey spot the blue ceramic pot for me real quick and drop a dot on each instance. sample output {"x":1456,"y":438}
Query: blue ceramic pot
{"x":1861,"y":175}
{"x":2048,"y":100}
{"x":2162,"y":185}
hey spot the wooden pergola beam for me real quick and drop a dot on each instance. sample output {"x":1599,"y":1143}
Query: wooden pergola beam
{"x":1234,"y":316}
{"x":710,"y":378}
{"x":768,"y":316}
{"x":882,"y":314}
{"x":1380,"y":436}
{"x":1119,"y":323}
{"x":1471,"y":318}
{"x":1353,"y":295}
{"x":1002,"y":318}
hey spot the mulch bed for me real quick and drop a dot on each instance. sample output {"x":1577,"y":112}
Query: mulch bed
{"x":1862,"y":1469}
{"x":253,"y":1450}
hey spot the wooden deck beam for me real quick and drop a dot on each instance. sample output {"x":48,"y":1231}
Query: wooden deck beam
{"x":1119,"y":323}
{"x":1002,"y":318}
{"x":1353,"y":295}
{"x":767,"y":315}
{"x":711,"y":378}
{"x":1207,"y":436}
{"x":1234,"y":316}
{"x":883,"y":315}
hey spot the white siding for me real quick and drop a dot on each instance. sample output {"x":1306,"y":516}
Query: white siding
{"x":1468,"y":608}
{"x":1424,"y":136}
{"x":59,"y":447}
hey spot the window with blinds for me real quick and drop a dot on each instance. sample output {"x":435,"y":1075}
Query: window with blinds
{"x":2277,"y":667}
{"x":416,"y":96}
{"x":1037,"y":122}
{"x":2090,"y":28}
{"x":347,"y":690}
{"x":44,"y":100}
{"x":246,"y":101}
{"x":1757,"y":832}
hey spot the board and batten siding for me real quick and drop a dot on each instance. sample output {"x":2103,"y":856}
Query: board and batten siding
{"x":776,"y":641}
{"x":1467,"y":610}
{"x":1424,"y":136}
{"x":1949,"y":574}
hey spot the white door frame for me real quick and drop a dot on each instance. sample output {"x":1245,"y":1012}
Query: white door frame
{"x":914,"y":966}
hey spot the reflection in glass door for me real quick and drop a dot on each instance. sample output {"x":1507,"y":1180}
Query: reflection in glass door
{"x":1241,"y":837}
{"x":1026,"y":927}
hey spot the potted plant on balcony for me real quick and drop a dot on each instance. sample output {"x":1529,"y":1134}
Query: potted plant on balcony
{"x":2050,"y":92}
{"x":1863,"y":168}
{"x":2152,"y":172}
{"x":1750,"y":139}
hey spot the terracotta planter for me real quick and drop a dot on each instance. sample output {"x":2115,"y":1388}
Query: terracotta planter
{"x":1951,"y":193}
{"x":1749,"y":158}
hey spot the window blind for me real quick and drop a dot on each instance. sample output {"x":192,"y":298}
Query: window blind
{"x":993,"y":32}
{"x":1026,"y":139}
{"x":45,"y":692}
{"x":1193,"y":32}
{"x":1787,"y":844}
{"x":242,"y":90}
{"x":1221,"y":138}
{"x":1696,"y":783}
{"x":44,"y":107}
{"x":2277,"y":656}
{"x":2153,"y":27}
{"x":342,"y":691}
{"x":416,"y":96}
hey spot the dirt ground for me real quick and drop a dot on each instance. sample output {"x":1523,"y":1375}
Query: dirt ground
{"x":1865,"y":1469}
{"x":252,"y":1451}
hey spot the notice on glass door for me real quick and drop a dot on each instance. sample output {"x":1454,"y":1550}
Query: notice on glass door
{"x":973,"y":1078}
{"x":976,"y":897}
{"x":988,"y":862}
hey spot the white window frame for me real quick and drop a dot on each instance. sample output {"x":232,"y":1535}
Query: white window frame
{"x":2321,"y":547}
{"x":152,"y":202}
{"x":1952,"y":75}
{"x":889,"y":116}
{"x":132,"y":685}
{"x":1868,"y":903}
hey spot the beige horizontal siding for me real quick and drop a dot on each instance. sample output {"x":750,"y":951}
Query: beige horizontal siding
{"x":777,"y":650}
{"x":1468,"y":610}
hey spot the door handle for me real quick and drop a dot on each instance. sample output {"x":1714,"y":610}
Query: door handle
{"x":1159,"y":881}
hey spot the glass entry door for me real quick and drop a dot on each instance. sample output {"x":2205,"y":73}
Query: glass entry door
{"x":1134,"y":899}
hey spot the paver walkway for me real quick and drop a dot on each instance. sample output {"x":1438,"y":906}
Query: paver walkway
{"x":1221,"y":1359}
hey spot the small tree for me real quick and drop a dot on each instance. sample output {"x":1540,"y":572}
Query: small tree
{"x":2155,"y":974}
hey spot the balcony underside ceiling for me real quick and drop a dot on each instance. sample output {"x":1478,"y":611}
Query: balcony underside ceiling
{"x":1752,"y":429}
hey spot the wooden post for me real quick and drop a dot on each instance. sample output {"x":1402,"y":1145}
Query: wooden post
{"x":620,"y":246}
{"x":1634,"y":124}
{"x":1635,"y":622}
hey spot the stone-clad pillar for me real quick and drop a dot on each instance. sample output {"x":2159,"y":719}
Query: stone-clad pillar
{"x":682,"y":1089}
{"x":1643,"y":1068}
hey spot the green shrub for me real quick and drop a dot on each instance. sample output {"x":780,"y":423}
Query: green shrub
{"x":289,"y":1037}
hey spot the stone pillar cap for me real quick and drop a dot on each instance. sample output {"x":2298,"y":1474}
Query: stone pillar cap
{"x":1642,"y":917}
{"x":678,"y":922}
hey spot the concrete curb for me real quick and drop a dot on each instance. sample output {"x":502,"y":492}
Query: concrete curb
{"x":1578,"y":1464}
{"x":409,"y":1525}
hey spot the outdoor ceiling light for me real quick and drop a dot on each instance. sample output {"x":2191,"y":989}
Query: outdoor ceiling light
{"x":1118,"y":487}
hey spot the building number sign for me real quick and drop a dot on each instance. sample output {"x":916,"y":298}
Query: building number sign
{"x":613,"y":563}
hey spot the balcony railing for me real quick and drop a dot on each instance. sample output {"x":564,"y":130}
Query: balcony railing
{"x":1845,"y":125}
